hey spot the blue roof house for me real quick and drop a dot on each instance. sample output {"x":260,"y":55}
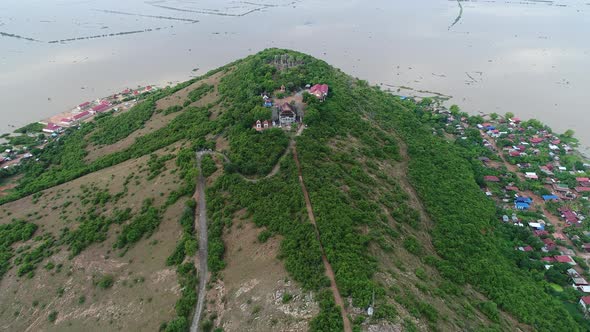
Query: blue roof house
{"x":522,"y":206}
{"x":522,"y":199}
{"x":550,"y":198}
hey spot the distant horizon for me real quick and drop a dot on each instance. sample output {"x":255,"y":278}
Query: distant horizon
{"x":527,"y":64}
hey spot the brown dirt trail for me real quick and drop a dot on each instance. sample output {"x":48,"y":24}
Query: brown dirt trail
{"x":327,"y":266}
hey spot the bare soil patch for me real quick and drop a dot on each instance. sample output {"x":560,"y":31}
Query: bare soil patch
{"x":250,"y":296}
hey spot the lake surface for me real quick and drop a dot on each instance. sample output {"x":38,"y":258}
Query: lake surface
{"x":531,"y":58}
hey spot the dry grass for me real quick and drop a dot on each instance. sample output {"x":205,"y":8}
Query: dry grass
{"x":249,"y":297}
{"x":145,"y":290}
{"x":159,"y":120}
{"x":178,"y":98}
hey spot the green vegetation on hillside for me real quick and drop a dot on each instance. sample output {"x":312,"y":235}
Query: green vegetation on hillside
{"x":111,"y":129}
{"x":34,"y":127}
{"x":199,"y":92}
{"x":11,"y":233}
{"x":255,"y":153}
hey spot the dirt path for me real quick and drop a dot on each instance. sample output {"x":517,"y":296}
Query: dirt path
{"x":277,"y":167}
{"x":327,"y":266}
{"x":203,"y":242}
{"x":201,"y":224}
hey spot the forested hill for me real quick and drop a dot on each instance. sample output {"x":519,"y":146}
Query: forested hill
{"x":399,"y":216}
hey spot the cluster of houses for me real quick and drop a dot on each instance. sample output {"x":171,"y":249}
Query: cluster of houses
{"x":285,"y":114}
{"x":88,"y":109}
{"x":82,"y":112}
{"x":538,"y":155}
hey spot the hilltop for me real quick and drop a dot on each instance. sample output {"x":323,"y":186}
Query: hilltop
{"x":330,"y":205}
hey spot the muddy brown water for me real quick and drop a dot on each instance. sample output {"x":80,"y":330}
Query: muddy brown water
{"x":530,"y":58}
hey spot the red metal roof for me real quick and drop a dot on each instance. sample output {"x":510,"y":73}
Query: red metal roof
{"x":319,"y":89}
{"x":84,"y":104}
{"x":586,"y":299}
{"x":548,"y":259}
{"x":52,"y":126}
{"x":570,"y":216}
{"x":491,"y":178}
{"x":583,"y":189}
{"x":536,"y":140}
{"x":81,"y":115}
{"x":564,"y":259}
{"x":101,"y":108}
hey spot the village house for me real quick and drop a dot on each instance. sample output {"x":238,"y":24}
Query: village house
{"x":84,"y":106}
{"x":585,"y":303}
{"x":579,"y":281}
{"x":546,"y":170}
{"x":287,"y":114}
{"x":266,"y":100}
{"x":491,"y":178}
{"x":52,"y":128}
{"x":525,"y":249}
{"x":572,"y":273}
{"x":548,"y":259}
{"x":102,"y":107}
{"x":539,"y":226}
{"x":539,"y":233}
{"x":81,"y":116}
{"x":66,"y":122}
{"x":549,"y":244}
{"x":561,"y":188}
{"x":320,"y":91}
{"x":552,"y":198}
{"x":262,"y":125}
{"x":569,"y":216}
{"x":523,"y":203}
{"x":564,"y":259}
{"x":514,"y":153}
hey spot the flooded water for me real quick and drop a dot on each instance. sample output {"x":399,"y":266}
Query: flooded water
{"x":531,"y":58}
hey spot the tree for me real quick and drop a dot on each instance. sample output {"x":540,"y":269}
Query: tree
{"x":494,"y":116}
{"x":569,"y":133}
{"x":508,"y":115}
{"x":455,"y":109}
{"x":426,"y":101}
{"x":177,"y":325}
{"x":311,"y":115}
